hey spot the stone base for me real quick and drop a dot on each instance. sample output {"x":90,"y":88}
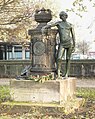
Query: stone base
{"x":55,"y":109}
{"x":53,"y":91}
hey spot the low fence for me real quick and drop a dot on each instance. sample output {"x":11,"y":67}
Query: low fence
{"x":13,"y":68}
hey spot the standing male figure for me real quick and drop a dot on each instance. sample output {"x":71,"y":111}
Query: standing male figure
{"x":67,"y":41}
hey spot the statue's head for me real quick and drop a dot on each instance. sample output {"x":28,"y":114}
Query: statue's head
{"x":63,"y":15}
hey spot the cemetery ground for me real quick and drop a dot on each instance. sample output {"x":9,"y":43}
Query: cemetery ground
{"x":86,"y":111}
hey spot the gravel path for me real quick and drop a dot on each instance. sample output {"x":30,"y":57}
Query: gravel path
{"x":90,"y":83}
{"x":85,"y":83}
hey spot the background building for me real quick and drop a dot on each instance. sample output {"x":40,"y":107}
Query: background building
{"x":9,"y":51}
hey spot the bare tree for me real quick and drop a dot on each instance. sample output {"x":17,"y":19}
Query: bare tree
{"x":17,"y":16}
{"x":83,"y":47}
{"x":79,"y":6}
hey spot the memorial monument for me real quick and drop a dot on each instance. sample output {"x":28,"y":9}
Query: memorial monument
{"x":43,"y":63}
{"x":45,"y":58}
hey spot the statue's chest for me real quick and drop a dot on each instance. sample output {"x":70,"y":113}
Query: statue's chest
{"x":64,"y":27}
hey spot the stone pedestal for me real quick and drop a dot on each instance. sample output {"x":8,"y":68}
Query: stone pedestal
{"x":53,"y":91}
{"x":43,"y":46}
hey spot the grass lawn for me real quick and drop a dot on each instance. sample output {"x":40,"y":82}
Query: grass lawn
{"x":85,"y":112}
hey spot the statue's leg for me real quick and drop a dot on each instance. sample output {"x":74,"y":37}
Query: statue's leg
{"x":58,"y":67}
{"x":68,"y":56}
{"x":59,"y":60}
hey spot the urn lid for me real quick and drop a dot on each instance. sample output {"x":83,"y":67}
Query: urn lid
{"x":43,"y":15}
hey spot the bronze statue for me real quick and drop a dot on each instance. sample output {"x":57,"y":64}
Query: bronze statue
{"x":67,"y":41}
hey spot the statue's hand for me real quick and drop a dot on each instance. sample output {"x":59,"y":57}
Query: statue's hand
{"x":73,"y":48}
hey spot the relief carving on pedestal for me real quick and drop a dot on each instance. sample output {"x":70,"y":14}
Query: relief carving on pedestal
{"x":39,"y":48}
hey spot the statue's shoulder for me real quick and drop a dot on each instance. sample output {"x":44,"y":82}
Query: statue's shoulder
{"x":58,"y":23}
{"x":71,"y":25}
{"x":54,"y":23}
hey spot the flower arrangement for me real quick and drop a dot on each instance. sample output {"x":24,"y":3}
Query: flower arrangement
{"x":42,"y":78}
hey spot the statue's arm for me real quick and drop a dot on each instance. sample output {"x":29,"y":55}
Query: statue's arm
{"x":44,"y":29}
{"x":73,"y":35}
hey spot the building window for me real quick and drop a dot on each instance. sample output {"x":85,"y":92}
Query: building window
{"x":17,"y":52}
{"x":27,"y":52}
{"x":27,"y":55}
{"x":14,"y":52}
{"x":18,"y":55}
{"x":9,"y":52}
{"x":9,"y":55}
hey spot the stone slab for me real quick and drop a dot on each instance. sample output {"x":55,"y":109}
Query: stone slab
{"x":53,"y":91}
{"x":25,"y":107}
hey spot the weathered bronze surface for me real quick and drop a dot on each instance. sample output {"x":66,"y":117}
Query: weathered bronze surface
{"x":67,"y":41}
